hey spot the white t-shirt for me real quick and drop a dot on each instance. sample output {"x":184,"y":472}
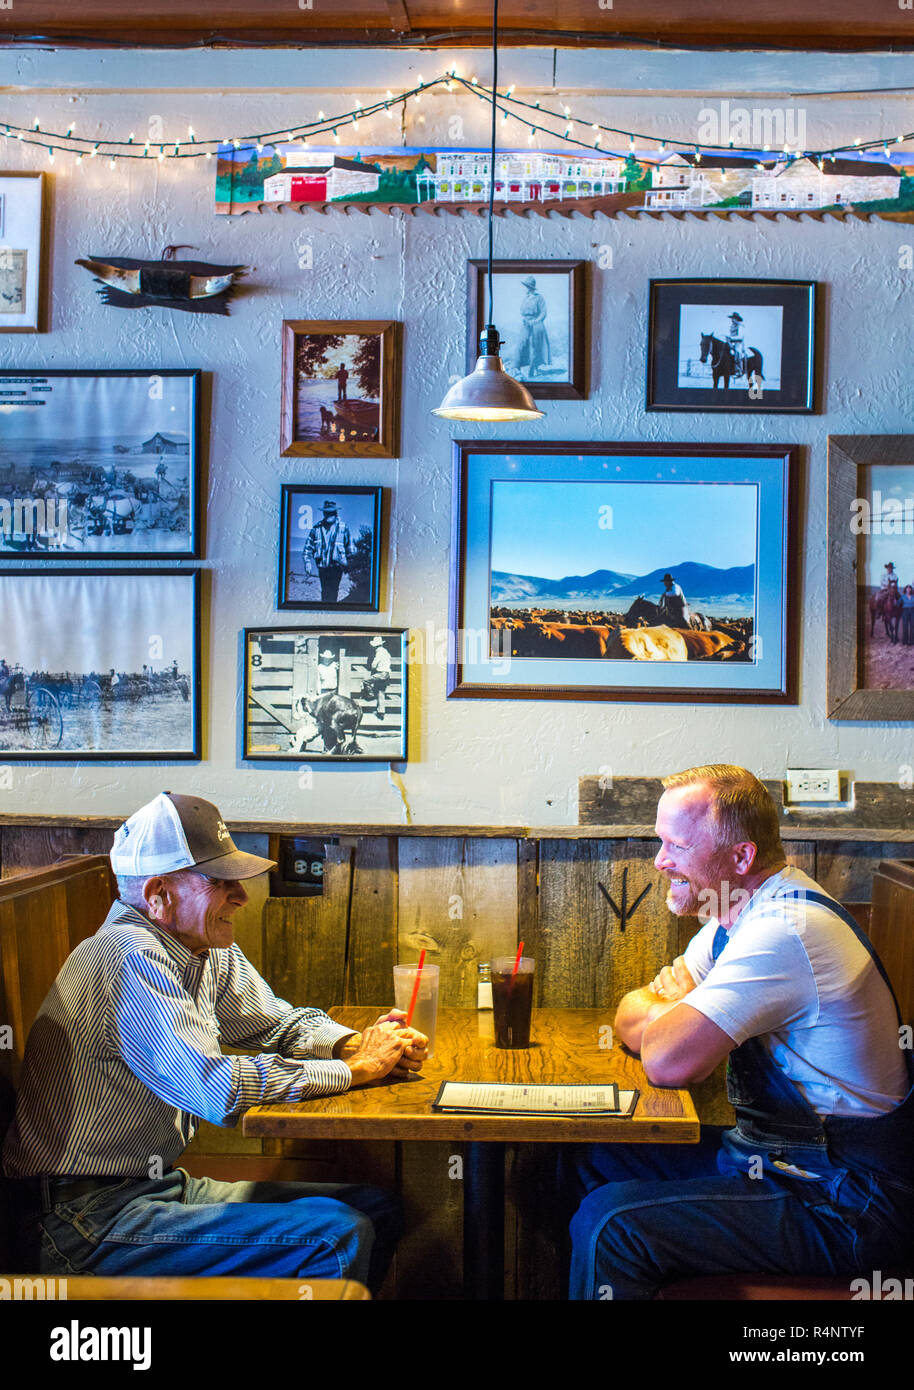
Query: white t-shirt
{"x":795,"y":975}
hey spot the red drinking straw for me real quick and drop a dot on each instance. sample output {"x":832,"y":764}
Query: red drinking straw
{"x":520,"y":952}
{"x":412,"y":1002}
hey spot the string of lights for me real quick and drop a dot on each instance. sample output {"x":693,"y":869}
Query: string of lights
{"x":509,"y":106}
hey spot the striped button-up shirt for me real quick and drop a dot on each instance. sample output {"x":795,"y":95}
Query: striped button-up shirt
{"x":124,"y":1056}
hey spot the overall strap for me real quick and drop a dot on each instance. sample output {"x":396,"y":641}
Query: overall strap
{"x":823,"y":900}
{"x":832,"y":905}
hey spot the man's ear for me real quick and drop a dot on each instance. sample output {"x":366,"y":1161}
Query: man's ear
{"x":744,"y":856}
{"x":155,"y":891}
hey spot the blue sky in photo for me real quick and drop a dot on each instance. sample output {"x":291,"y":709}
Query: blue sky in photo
{"x":552,"y":529}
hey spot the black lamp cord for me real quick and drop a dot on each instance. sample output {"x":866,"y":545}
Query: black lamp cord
{"x":491,"y":320}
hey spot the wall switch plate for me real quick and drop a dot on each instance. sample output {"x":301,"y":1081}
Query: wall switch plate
{"x":813,"y":784}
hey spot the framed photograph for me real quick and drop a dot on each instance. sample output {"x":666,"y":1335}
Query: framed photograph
{"x":325,"y":694}
{"x":870,"y":576}
{"x":588,"y":571}
{"x":732,"y":345}
{"x":100,"y":664}
{"x":330,"y":547}
{"x":99,"y":465}
{"x":540,"y":311}
{"x":340,"y":389}
{"x":23,"y":252}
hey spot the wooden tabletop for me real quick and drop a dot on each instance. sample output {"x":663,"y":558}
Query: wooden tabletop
{"x":565,"y":1048}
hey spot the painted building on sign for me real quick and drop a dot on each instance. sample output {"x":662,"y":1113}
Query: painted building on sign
{"x":319,"y":178}
{"x":683,"y":181}
{"x":803,"y":184}
{"x":520,"y":177}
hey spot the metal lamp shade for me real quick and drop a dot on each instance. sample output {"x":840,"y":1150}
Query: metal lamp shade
{"x":488,"y":393}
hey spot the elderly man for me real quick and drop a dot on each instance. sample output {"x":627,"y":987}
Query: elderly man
{"x":816,"y":1177}
{"x":125,"y":1054}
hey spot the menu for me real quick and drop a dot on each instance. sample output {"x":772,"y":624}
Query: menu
{"x":496,"y":1098}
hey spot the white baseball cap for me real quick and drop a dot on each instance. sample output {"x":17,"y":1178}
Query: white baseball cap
{"x":180,"y":832}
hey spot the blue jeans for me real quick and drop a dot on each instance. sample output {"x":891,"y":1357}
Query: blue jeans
{"x":179,"y":1225}
{"x":655,"y":1213}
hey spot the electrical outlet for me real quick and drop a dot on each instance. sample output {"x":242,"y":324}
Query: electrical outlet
{"x":813,"y":784}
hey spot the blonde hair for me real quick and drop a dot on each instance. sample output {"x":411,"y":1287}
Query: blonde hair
{"x":742,"y":808}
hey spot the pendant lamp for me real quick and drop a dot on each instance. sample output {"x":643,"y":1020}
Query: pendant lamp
{"x":488,"y":393}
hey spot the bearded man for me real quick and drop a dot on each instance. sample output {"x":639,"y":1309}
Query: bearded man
{"x":816,"y":1177}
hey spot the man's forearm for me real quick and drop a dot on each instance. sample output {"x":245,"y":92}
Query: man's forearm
{"x":636,"y":1011}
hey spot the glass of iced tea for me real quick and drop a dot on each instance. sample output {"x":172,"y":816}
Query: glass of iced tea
{"x":512,"y":1000}
{"x":425,"y":1013}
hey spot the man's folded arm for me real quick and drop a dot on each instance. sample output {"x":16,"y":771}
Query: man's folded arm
{"x":251,"y":1015}
{"x":155,"y":1027}
{"x":679,"y":1046}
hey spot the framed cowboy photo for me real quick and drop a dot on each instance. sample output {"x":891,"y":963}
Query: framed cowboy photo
{"x":330,"y":548}
{"x":870,"y":577}
{"x":635,"y":571}
{"x":540,"y":308}
{"x":100,"y":664}
{"x":740,"y":346}
{"x":325,"y":694}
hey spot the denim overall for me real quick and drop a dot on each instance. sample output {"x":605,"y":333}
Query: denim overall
{"x":784,"y":1192}
{"x":774,"y":1121}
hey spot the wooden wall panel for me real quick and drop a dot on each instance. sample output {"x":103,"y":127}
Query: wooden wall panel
{"x":845,"y":869}
{"x":304,"y":939}
{"x":430,"y":1254}
{"x":458,"y":899}
{"x":372,"y":949}
{"x":586,"y":955}
{"x":36,"y":846}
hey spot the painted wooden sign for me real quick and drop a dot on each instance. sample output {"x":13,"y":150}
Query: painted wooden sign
{"x":544,"y":181}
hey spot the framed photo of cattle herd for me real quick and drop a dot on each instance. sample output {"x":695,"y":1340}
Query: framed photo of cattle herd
{"x":99,"y":465}
{"x":325,"y":694}
{"x":742,"y":346}
{"x":589,"y":571}
{"x":870,"y":577}
{"x":100,"y":664}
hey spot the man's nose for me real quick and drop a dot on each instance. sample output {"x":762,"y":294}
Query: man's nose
{"x":238,"y":893}
{"x":661,"y":859}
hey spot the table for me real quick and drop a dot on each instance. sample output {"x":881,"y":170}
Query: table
{"x":567,"y":1045}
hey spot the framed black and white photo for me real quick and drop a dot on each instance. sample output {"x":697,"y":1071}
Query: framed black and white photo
{"x":732,"y":345}
{"x":23,"y":252}
{"x":325,"y":694}
{"x":99,"y":464}
{"x":539,"y":308}
{"x":330,"y":547}
{"x":100,"y":664}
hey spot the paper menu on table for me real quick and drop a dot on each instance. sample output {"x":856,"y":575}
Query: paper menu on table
{"x":519,"y":1099}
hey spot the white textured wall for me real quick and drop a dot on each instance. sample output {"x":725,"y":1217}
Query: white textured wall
{"x":471,"y":761}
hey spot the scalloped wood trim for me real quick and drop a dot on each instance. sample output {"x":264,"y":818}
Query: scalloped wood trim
{"x":612,"y":207}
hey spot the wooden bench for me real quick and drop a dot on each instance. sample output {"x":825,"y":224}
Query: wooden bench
{"x":890,"y":927}
{"x":44,"y":914}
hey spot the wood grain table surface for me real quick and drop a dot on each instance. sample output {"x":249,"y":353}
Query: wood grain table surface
{"x":565,"y":1049}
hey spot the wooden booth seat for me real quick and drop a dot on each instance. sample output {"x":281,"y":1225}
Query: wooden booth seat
{"x":890,"y":926}
{"x":44,"y":914}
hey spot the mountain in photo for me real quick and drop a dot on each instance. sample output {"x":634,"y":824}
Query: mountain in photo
{"x":697,"y":581}
{"x":531,"y":588}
